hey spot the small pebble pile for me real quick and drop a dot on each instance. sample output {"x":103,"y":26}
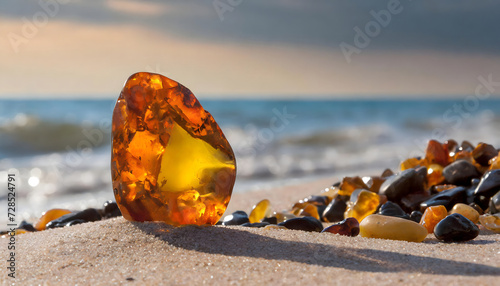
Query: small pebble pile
{"x":449,"y":192}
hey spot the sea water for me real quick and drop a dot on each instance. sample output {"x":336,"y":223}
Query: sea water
{"x":60,"y":149}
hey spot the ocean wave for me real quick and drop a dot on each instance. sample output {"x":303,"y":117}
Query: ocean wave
{"x":26,"y":135}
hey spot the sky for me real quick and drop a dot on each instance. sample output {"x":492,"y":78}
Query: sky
{"x":250,"y":48}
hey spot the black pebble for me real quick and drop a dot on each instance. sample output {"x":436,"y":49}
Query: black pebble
{"x":271,"y":220}
{"x":392,"y":209}
{"x":460,"y":172}
{"x":87,"y":215}
{"x":495,"y":203}
{"x":456,"y":228}
{"x":306,"y":223}
{"x":111,"y":209}
{"x":26,"y":226}
{"x":236,"y":218}
{"x":335,"y":210}
{"x":416,"y":216}
{"x":255,"y":224}
{"x":446,"y":198}
{"x":399,"y":185}
{"x":489,"y":185}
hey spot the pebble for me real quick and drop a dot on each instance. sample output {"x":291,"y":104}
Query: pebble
{"x":456,"y":228}
{"x":49,"y":216}
{"x":111,"y":209}
{"x":483,"y":153}
{"x":392,"y":209}
{"x":260,"y":211}
{"x":365,"y":204}
{"x":491,"y":222}
{"x":460,"y":172}
{"x":271,"y":220}
{"x":495,"y":203}
{"x":26,"y":226}
{"x":236,"y":218}
{"x":86,"y":215}
{"x":395,"y":228}
{"x":255,"y":224}
{"x":446,"y":198}
{"x":467,"y":211}
{"x":397,"y":186}
{"x":432,"y":216}
{"x":416,"y":216}
{"x":306,"y":223}
{"x":488,"y":186}
{"x":348,"y":227}
{"x":334,"y":212}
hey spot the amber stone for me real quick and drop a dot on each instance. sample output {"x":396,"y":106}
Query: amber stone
{"x":395,"y":228}
{"x":491,"y":222}
{"x":432,"y":216}
{"x":483,"y":153}
{"x":349,"y":184}
{"x":170,"y":160}
{"x":364,"y":205}
{"x":49,"y":216}
{"x":436,"y":153}
{"x":260,"y":211}
{"x":434,"y":174}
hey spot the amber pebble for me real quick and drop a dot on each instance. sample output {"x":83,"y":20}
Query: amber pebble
{"x":456,"y":228}
{"x":436,"y":153}
{"x":432,"y":216}
{"x":350,"y":184}
{"x":48,"y":216}
{"x":309,"y":210}
{"x":463,"y":155}
{"x":395,"y":228}
{"x":477,"y":208}
{"x":87,"y":215}
{"x":306,"y":223}
{"x":411,"y":163}
{"x":467,"y":211}
{"x":491,"y":222}
{"x":170,"y":160}
{"x":335,"y":210}
{"x":483,"y":153}
{"x":392,"y":209}
{"x":21,"y":231}
{"x":387,"y":173}
{"x":349,"y":227}
{"x":495,"y":162}
{"x":452,"y":147}
{"x":260,"y":211}
{"x":330,"y":192}
{"x":236,"y":218}
{"x":365,"y":204}
{"x":434,"y":174}
{"x":440,"y":188}
{"x":283,"y":216}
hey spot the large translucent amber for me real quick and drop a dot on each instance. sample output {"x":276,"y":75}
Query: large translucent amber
{"x":170,"y":160}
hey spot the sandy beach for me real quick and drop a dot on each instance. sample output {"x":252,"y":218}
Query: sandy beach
{"x":116,"y":252}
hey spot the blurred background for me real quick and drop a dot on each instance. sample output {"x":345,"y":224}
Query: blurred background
{"x":302,"y":89}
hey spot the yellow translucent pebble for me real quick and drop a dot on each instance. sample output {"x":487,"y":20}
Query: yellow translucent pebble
{"x":467,"y":211}
{"x":432,"y":216}
{"x":260,"y":211}
{"x":395,"y":228}
{"x":365,"y":205}
{"x":491,"y":222}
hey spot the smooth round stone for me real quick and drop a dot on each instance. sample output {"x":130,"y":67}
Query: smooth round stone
{"x":306,"y":223}
{"x":395,"y":228}
{"x":399,"y":185}
{"x":456,"y":228}
{"x":255,"y":224}
{"x":87,"y":215}
{"x":460,"y":172}
{"x":432,"y":216}
{"x":26,"y":226}
{"x":236,"y":218}
{"x":283,"y":216}
{"x":271,"y":220}
{"x":467,"y":211}
{"x":348,"y":227}
{"x":491,"y":222}
{"x":260,"y":211}
{"x":335,"y":210}
{"x":170,"y":160}
{"x":392,"y":209}
{"x":488,"y":186}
